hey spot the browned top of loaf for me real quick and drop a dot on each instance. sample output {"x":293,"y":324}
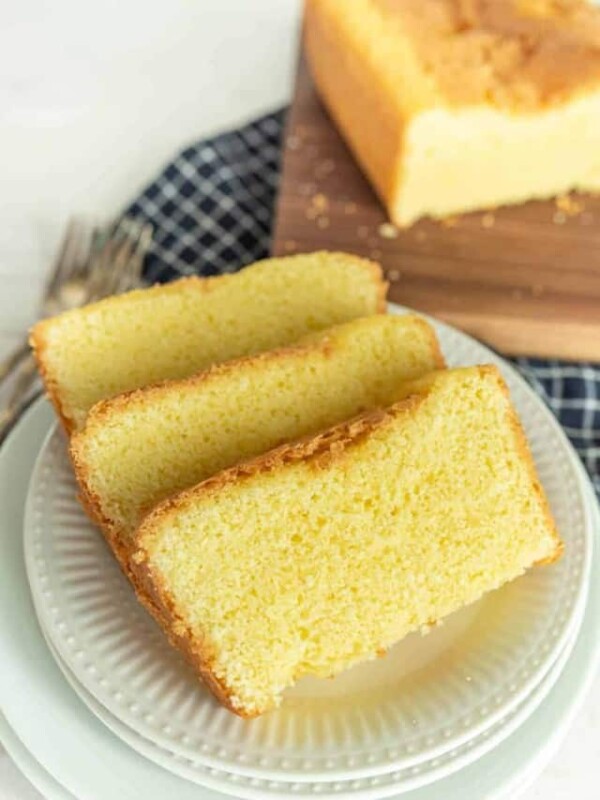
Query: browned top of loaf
{"x":522,"y":54}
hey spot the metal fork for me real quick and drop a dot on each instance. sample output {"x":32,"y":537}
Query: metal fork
{"x":93,"y":262}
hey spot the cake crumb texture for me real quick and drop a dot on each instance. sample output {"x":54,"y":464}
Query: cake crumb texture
{"x":322,"y":553}
{"x":137,"y":449}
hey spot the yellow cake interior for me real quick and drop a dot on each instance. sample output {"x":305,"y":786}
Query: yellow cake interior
{"x":138,"y":449}
{"x":485,"y":157}
{"x":323,"y":555}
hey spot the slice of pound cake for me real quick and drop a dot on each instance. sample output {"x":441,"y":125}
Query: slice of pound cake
{"x":137,"y":449}
{"x":173,"y":331}
{"x":322,"y":553}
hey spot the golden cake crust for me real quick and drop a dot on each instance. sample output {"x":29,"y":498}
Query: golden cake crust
{"x":519,"y":54}
{"x":319,"y":451}
{"x":502,"y":53}
{"x":157,"y":601}
{"x":38,"y":344}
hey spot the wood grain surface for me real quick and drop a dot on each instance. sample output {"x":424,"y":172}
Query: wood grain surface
{"x":525,"y":279}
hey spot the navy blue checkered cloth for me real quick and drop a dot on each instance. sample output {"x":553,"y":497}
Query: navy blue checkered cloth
{"x":212,"y":208}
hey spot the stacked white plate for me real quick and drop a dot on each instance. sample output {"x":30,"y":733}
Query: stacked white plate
{"x":435,"y":705}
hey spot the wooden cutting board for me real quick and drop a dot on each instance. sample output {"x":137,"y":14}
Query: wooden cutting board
{"x":524,"y":279}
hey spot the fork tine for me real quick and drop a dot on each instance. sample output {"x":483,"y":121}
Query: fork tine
{"x":121,"y":259}
{"x":66,"y":258}
{"x":115,"y":259}
{"x":98,"y":267}
{"x":131,"y":274}
{"x":143,"y":245}
{"x":86,"y":241}
{"x":131,"y":244}
{"x":106,"y":264}
{"x":128,"y":234}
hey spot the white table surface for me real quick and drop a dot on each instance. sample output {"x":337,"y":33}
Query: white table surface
{"x":94,"y":99}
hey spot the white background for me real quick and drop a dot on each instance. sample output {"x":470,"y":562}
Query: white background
{"x":94,"y":99}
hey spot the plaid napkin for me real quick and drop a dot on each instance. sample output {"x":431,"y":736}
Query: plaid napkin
{"x":212,"y":209}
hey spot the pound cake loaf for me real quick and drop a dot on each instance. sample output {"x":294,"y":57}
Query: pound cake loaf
{"x":137,"y":449}
{"x":325,"y":552}
{"x":173,"y":331}
{"x":457,"y":105}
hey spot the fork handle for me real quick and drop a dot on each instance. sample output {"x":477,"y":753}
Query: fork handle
{"x":19,"y":396}
{"x":10,"y":414}
{"x":14,"y":358}
{"x":25,"y":377}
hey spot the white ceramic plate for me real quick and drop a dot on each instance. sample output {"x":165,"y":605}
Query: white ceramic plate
{"x":426,"y":698}
{"x":36,"y":699}
{"x":37,"y":775}
{"x":368,"y":788}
